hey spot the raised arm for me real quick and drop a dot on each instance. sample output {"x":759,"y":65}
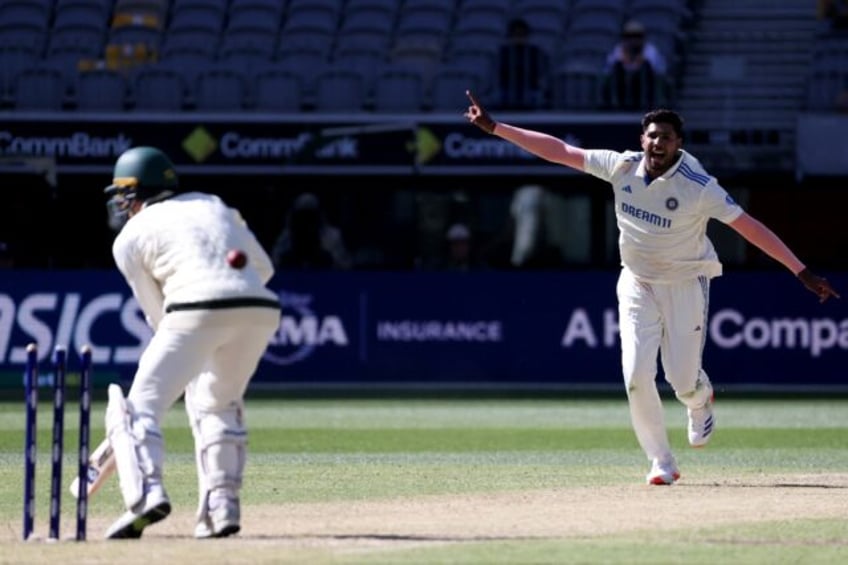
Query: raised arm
{"x":769,"y":243}
{"x":540,"y":144}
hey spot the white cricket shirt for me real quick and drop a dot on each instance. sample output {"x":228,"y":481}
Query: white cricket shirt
{"x":663,"y":224}
{"x":175,"y":251}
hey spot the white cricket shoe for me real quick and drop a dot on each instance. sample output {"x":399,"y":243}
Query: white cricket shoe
{"x":131,"y":525}
{"x":223,"y":518}
{"x":663,"y":472}
{"x":701,"y":423}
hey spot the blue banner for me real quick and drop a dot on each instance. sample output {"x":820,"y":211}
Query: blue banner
{"x":506,"y":330}
{"x":314,"y":145}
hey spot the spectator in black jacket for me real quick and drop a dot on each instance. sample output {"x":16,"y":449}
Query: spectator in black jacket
{"x":308,"y":241}
{"x":523,"y":69}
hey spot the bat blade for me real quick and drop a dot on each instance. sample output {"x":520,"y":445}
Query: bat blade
{"x":101,"y":466}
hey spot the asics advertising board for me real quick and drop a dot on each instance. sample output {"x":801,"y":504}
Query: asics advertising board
{"x":487,"y":329}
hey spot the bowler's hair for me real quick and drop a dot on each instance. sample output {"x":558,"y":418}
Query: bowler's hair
{"x":663,"y":116}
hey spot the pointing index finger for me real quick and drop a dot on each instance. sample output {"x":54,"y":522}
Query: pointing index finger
{"x":472,"y":98}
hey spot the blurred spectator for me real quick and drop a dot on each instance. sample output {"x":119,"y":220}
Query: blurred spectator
{"x":836,"y":11}
{"x":460,"y":253}
{"x":527,"y":241}
{"x":635,"y":71}
{"x":531,"y":245}
{"x":842,"y":102}
{"x":7,"y":259}
{"x":308,"y":241}
{"x":523,"y":69}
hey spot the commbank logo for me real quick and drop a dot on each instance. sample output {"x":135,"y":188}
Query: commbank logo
{"x":200,"y":144}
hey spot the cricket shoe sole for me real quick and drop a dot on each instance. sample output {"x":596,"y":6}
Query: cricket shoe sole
{"x":131,"y":525}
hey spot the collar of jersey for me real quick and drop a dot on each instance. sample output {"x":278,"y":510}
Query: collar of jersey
{"x":640,"y":170}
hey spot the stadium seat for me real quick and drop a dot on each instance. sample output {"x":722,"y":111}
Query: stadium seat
{"x":218,"y":7}
{"x":307,"y":64}
{"x":131,"y":35}
{"x":191,"y":16}
{"x":68,"y":59}
{"x":479,"y":29}
{"x":499,"y":9}
{"x":366,"y":39}
{"x":220,"y":90}
{"x":149,"y":12}
{"x":25,"y":36}
{"x":40,"y":88}
{"x":480,"y":62}
{"x":276,"y":90}
{"x":246,"y":51}
{"x":547,"y":29}
{"x":441,"y":5}
{"x":613,"y":10}
{"x":435,"y":20}
{"x":366,"y":19}
{"x":823,"y":88}
{"x":68,"y":45}
{"x":194,"y":40}
{"x":158,"y":88}
{"x":82,"y":13}
{"x":590,"y":38}
{"x":245,"y":17}
{"x":398,"y":90}
{"x":307,"y":40}
{"x":318,"y":18}
{"x":13,"y":59}
{"x":334,"y":6}
{"x":340,"y":90}
{"x":352,"y":6}
{"x":27,"y":13}
{"x":101,"y":90}
{"x":419,"y":54}
{"x":645,"y":9}
{"x":447,"y":91}
{"x":576,"y":87}
{"x":424,"y":25}
{"x":366,"y":62}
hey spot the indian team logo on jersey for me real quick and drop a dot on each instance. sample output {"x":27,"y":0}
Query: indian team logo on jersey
{"x":302,"y":331}
{"x":672,"y":203}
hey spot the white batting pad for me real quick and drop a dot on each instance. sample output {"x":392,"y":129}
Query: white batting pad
{"x":137,"y":445}
{"x":220,"y":442}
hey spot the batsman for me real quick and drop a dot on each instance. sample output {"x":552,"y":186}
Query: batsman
{"x":212,"y":317}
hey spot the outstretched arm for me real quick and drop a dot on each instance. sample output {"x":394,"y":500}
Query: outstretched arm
{"x":769,"y":243}
{"x":540,"y":144}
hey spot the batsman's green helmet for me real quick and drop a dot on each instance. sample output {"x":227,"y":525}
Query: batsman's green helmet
{"x":140,"y":173}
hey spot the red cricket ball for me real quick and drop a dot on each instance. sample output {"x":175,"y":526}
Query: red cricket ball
{"x":236,"y":258}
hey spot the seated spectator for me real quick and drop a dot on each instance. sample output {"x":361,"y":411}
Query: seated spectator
{"x":308,"y":241}
{"x":635,"y":71}
{"x":523,"y":70}
{"x":460,"y":255}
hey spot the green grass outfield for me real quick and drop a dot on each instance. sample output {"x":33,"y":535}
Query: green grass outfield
{"x":475,"y":481}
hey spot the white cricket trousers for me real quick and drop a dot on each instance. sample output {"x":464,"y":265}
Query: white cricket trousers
{"x":218,"y":349}
{"x":669,"y":320}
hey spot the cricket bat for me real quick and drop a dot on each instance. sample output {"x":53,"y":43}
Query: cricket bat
{"x":101,"y":466}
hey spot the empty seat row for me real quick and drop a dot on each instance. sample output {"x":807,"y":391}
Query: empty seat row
{"x":274,"y":89}
{"x":427,"y":37}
